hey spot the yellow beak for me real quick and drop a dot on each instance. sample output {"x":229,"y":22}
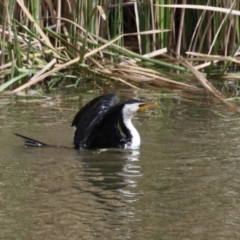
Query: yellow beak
{"x":147,"y":105}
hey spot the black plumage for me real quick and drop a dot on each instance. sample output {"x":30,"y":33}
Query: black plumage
{"x":99,"y":124}
{"x":103,"y":123}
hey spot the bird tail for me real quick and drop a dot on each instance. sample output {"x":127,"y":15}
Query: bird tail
{"x":29,"y":142}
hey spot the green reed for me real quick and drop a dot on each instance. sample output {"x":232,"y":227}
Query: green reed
{"x":77,"y":32}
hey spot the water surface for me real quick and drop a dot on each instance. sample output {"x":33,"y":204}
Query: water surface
{"x":183,"y":182}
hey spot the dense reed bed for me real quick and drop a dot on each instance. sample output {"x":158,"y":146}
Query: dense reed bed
{"x":176,"y":45}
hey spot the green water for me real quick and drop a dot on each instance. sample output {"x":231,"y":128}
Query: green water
{"x":183,"y":182}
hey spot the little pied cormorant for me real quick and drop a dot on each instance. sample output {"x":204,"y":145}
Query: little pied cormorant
{"x":103,"y":123}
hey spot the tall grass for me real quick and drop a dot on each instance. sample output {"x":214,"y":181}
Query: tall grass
{"x":64,"y":42}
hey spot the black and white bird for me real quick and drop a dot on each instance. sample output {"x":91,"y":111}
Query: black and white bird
{"x":103,"y":123}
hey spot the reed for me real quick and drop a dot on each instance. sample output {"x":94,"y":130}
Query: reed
{"x":65,"y":42}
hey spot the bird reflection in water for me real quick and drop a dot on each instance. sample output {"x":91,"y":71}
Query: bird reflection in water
{"x":108,"y":188}
{"x":113,"y":176}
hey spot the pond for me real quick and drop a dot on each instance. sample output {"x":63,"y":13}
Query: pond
{"x":183,"y":182}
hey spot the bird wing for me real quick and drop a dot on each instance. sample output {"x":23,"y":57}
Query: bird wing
{"x":88,"y":116}
{"x":106,"y":133}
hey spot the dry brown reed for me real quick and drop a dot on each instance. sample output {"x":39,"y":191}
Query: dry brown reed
{"x":65,"y":41}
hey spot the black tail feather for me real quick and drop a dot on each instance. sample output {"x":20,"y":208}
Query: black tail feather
{"x":32,"y":142}
{"x":29,"y":142}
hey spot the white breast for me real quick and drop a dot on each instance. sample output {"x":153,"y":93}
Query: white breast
{"x":136,"y":140}
{"x":128,"y":112}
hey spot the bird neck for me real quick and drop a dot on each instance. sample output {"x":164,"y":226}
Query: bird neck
{"x":131,"y":134}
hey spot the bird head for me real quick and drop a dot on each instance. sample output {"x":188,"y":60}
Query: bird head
{"x":132,"y":106}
